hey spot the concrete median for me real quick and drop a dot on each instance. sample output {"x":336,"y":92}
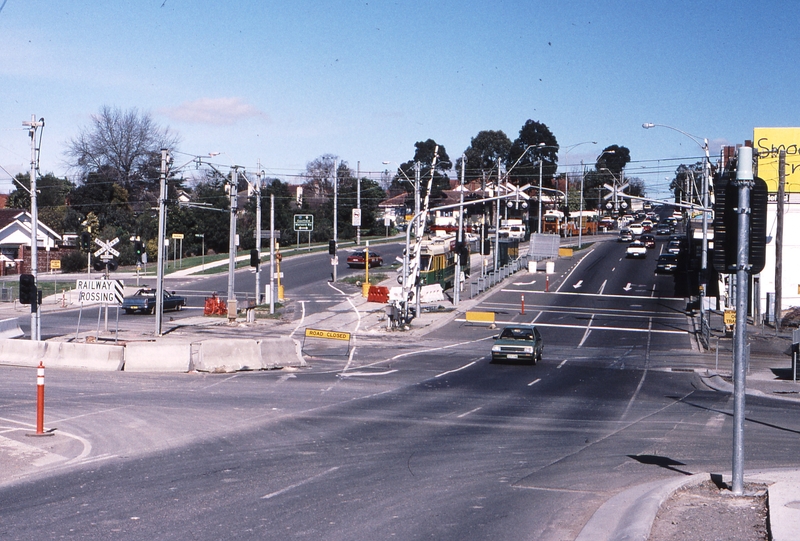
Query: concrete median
{"x":9,"y":328}
{"x":221,"y":356}
{"x":280,"y":352}
{"x":100,"y":357}
{"x":158,"y":357}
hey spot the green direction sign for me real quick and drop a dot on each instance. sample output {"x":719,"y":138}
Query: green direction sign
{"x":304,"y":222}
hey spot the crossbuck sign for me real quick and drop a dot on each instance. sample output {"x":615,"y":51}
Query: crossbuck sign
{"x":106,"y":251}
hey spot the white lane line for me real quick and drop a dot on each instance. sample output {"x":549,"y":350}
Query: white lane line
{"x":365,"y":374}
{"x":470,"y":411}
{"x":602,"y":287}
{"x":588,"y":331}
{"x":582,"y":327}
{"x":302,"y":318}
{"x":534,"y":382}
{"x":562,"y":363}
{"x":577,"y":294}
{"x":566,"y":279}
{"x":301,"y":483}
{"x":455,"y":370}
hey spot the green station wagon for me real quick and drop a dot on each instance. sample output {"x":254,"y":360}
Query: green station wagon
{"x":521,"y":342}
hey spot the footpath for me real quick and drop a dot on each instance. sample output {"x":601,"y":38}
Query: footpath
{"x":626,"y":516}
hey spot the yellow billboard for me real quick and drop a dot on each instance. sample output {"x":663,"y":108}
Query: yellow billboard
{"x":768,"y":142}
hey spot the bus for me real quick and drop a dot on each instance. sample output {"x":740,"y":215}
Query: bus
{"x":553,"y":222}
{"x":584,"y":221}
{"x":437,"y":261}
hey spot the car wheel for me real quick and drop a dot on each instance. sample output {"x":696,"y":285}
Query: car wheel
{"x":179,"y":307}
{"x":152,"y":311}
{"x":126,"y":311}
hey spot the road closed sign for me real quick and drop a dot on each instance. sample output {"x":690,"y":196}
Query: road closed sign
{"x":102,"y":291}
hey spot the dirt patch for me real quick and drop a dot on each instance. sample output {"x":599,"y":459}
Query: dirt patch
{"x":709,"y":513}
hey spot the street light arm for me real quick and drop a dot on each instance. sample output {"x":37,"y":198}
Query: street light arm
{"x":695,"y":138}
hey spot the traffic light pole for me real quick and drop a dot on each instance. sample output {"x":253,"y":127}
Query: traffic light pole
{"x":744,"y":181}
{"x":36,"y":330}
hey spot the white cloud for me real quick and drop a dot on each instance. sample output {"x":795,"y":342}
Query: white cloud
{"x":217,"y":111}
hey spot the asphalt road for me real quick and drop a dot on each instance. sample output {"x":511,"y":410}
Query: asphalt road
{"x":416,"y":440}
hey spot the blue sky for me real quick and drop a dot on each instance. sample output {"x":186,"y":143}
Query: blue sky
{"x":285,"y":82}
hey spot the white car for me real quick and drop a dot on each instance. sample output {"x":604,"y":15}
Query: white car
{"x":636,"y":249}
{"x":636,"y":229}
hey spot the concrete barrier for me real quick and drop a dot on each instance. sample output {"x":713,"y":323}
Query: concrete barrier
{"x":550,"y":267}
{"x":280,"y":352}
{"x":221,"y":355}
{"x":159,"y":356}
{"x":100,"y":357}
{"x":532,"y":267}
{"x":9,"y":328}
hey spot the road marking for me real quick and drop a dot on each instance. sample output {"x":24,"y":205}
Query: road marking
{"x":602,"y":287}
{"x":525,"y":283}
{"x":588,"y":331}
{"x":506,"y":290}
{"x":455,"y":370}
{"x":564,"y":281}
{"x":582,"y":327}
{"x":578,"y":284}
{"x":302,"y":318}
{"x":627,"y":287}
{"x":562,"y":363}
{"x":470,"y":411}
{"x":534,"y":382}
{"x":715,"y":423}
{"x":365,"y":374}
{"x":301,"y":483}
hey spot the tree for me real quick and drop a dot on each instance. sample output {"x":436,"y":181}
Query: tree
{"x":535,"y":143}
{"x":614,"y":158}
{"x":107,"y":199}
{"x":482,"y":154}
{"x":51,"y":199}
{"x":126,"y":145}
{"x":685,"y":182}
{"x":424,"y":155}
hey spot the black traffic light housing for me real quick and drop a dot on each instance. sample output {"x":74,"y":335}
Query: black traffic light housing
{"x":86,"y":241}
{"x":27,"y":289}
{"x":332,"y":247}
{"x":138,"y":248}
{"x":255,"y":259}
{"x":726,"y":224}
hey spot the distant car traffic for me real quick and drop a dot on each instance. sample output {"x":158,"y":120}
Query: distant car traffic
{"x":358,"y":259}
{"x":663,"y":229}
{"x":518,"y":343}
{"x":625,"y":235}
{"x":144,"y":301}
{"x":674,"y":247}
{"x":648,"y":240}
{"x":636,"y":250}
{"x":636,"y":229}
{"x":667,"y":263}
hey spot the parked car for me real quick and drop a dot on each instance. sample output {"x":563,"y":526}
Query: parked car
{"x":636,"y":250}
{"x":518,"y":343}
{"x":625,"y":235}
{"x":358,"y":259}
{"x":648,"y":240}
{"x":667,"y":263}
{"x":144,"y":301}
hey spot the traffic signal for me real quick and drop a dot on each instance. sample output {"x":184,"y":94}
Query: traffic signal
{"x":138,"y":247}
{"x":332,"y":247}
{"x":27,"y":289}
{"x":726,"y":225}
{"x":255,"y":259}
{"x":86,"y":241}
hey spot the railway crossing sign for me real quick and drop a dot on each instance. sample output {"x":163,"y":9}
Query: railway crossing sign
{"x":102,"y":291}
{"x":106,"y":250}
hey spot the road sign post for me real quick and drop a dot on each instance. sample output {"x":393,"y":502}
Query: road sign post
{"x":304,"y":222}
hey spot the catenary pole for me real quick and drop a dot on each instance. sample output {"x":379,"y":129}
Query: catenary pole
{"x":233,"y":183}
{"x":162,"y":227}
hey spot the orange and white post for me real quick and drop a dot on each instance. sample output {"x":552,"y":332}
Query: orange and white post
{"x":40,"y":399}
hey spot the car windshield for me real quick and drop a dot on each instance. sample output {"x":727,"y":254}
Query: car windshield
{"x":515,"y":333}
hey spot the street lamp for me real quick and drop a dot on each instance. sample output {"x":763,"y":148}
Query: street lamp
{"x":706,"y":175}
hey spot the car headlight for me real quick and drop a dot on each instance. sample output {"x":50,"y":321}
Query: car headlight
{"x":528,"y":349}
{"x":496,"y":349}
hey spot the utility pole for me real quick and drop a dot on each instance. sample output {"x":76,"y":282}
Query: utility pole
{"x":416,"y":197}
{"x":460,"y":238}
{"x":271,"y":253}
{"x":779,"y":238}
{"x":744,"y":181}
{"x":233,"y":187}
{"x":358,"y":200}
{"x":497,"y":217}
{"x":35,"y":313}
{"x":162,"y":227}
{"x":335,"y":218}
{"x":539,"y":219}
{"x":258,"y":232}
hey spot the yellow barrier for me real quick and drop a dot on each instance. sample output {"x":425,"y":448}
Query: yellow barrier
{"x":480,"y":317}
{"x":565,"y":252}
